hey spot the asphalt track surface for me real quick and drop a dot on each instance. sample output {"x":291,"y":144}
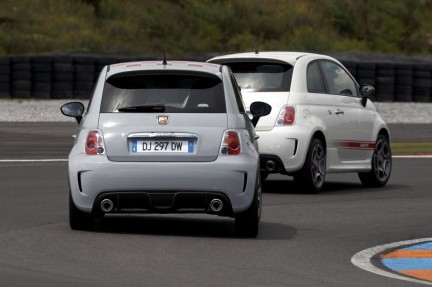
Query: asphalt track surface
{"x":305,"y":240}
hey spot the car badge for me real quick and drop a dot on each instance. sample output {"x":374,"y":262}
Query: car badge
{"x":163,"y":120}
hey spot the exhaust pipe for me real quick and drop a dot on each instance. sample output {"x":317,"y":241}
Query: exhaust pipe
{"x":107,"y":205}
{"x":216,"y":205}
{"x":270,"y":165}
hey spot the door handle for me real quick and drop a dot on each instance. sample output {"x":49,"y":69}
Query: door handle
{"x":339,"y":112}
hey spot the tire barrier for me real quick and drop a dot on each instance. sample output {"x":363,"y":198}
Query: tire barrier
{"x":4,"y":78}
{"x":73,"y":76}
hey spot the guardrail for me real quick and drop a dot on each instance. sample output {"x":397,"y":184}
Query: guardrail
{"x":73,"y":76}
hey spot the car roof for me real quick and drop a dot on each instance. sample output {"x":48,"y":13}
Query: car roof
{"x":288,"y":57}
{"x":169,"y":66}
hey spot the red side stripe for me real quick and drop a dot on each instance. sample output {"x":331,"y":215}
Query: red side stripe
{"x":355,"y":144}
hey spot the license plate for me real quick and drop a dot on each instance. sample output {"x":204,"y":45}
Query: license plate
{"x":163,"y":146}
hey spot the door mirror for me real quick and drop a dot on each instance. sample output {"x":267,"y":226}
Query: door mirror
{"x":259,"y":109}
{"x":366,"y":91}
{"x":73,"y":109}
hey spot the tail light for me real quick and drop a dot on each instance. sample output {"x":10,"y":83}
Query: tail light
{"x":94,"y":143}
{"x":230,"y":143}
{"x":286,"y":116}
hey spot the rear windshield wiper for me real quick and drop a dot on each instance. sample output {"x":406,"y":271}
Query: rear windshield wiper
{"x":143,"y":109}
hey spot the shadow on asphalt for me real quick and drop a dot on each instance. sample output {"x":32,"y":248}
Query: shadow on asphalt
{"x":290,"y":187}
{"x":188,"y":227}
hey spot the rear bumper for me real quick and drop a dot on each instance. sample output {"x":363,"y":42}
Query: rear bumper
{"x":143,"y":201}
{"x":234,"y":180}
{"x":286,"y":145}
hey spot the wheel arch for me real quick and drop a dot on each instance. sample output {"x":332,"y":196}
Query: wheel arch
{"x":319,"y":135}
{"x":384,"y":132}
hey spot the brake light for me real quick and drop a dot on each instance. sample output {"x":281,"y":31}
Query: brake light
{"x":230,"y":143}
{"x":94,"y":143}
{"x":286,"y":116}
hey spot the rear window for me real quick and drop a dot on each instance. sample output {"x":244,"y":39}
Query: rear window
{"x":262,"y":77}
{"x":163,"y":92}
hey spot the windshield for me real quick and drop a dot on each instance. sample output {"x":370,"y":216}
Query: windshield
{"x":163,"y":92}
{"x":262,"y":77}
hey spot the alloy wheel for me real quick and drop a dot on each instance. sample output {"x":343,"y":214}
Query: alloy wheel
{"x":382,"y":160}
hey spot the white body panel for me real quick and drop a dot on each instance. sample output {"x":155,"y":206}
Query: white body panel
{"x":349,"y":129}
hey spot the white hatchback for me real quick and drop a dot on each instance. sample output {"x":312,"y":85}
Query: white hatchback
{"x":321,"y":121}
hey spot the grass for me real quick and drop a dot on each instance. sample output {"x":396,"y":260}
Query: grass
{"x":415,"y":147}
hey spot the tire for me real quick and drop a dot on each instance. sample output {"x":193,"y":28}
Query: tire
{"x":368,"y":81}
{"x":385,"y":81}
{"x":404,"y":94}
{"x":62,"y":86}
{"x":41,"y":94}
{"x":385,"y":72}
{"x":264,"y":176}
{"x":247,"y":223}
{"x":83,"y":86}
{"x":41,"y":68}
{"x":312,"y":175}
{"x":5,"y":69}
{"x":381,"y":165}
{"x":61,"y":94}
{"x":404,"y":80}
{"x":366,"y":65}
{"x":384,"y":89}
{"x":385,"y":97}
{"x":422,"y":83}
{"x":404,"y":69}
{"x":422,"y":95}
{"x":81,"y":68}
{"x":21,"y":85}
{"x":62,"y":77}
{"x":42,"y":77}
{"x":79,"y":220}
{"x":4,"y":95}
{"x":41,"y":87}
{"x":84,"y":95}
{"x":362,"y":73}
{"x":84,"y":59}
{"x":5,"y":87}
{"x":21,"y":94}
{"x":62,"y":68}
{"x":25,"y":67}
{"x":89,"y":77}
{"x":21,"y":76}
{"x":422,"y":74}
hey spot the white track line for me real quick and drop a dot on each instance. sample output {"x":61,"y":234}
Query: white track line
{"x":65,"y":159}
{"x":413,"y":156}
{"x":33,"y":160}
{"x":363,"y":259}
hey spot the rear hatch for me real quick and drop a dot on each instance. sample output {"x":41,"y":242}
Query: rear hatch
{"x":263,"y":80}
{"x":275,"y":99}
{"x":161,"y":116}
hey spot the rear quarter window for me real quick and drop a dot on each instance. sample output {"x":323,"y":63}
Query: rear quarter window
{"x":262,"y":76}
{"x":174,"y":92}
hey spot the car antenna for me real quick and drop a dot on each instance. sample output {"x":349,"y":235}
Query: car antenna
{"x":256,"y":52}
{"x":164,"y":62}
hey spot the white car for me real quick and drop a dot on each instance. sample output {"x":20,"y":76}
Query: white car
{"x":321,"y":120}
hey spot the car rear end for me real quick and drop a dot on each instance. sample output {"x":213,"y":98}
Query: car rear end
{"x":267,"y":77}
{"x":160,"y":138}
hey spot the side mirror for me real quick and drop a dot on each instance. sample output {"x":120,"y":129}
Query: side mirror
{"x":259,"y":109}
{"x":73,"y":109}
{"x":366,"y":91}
